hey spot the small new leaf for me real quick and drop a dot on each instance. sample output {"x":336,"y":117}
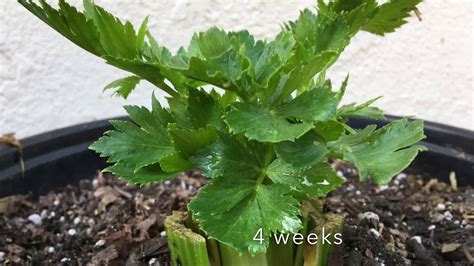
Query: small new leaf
{"x":363,"y":110}
{"x":123,"y":87}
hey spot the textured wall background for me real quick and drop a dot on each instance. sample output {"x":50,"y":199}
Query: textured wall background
{"x":425,"y":69}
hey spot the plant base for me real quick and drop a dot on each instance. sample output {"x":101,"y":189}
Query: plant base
{"x":188,"y":247}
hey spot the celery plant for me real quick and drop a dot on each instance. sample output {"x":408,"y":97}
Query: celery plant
{"x":263,"y":141}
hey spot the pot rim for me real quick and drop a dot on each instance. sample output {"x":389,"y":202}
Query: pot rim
{"x":61,"y":157}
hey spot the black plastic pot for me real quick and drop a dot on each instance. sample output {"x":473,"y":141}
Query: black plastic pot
{"x":61,"y":157}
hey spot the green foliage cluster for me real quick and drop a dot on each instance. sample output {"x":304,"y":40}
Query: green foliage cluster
{"x":264,"y":141}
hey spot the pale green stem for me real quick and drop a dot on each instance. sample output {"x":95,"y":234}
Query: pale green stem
{"x":299,"y":258}
{"x":319,"y":254}
{"x":231,"y":257}
{"x":280,"y":254}
{"x":186,"y":247}
{"x":213,"y":252}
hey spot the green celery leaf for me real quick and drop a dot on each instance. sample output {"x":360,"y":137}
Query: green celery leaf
{"x":319,"y":43}
{"x":140,"y":144}
{"x":368,"y":15}
{"x":287,"y":121}
{"x":303,"y":152}
{"x":329,"y":130}
{"x":272,"y":57}
{"x":304,"y":25}
{"x":212,"y":58}
{"x":317,"y":104}
{"x":300,"y":75}
{"x":370,"y":112}
{"x":188,"y":141}
{"x":226,"y":99}
{"x":178,"y":109}
{"x":232,"y":210}
{"x":156,"y":53}
{"x":117,"y":39}
{"x":149,"y":71}
{"x":214,"y":71}
{"x":363,"y":110}
{"x":258,"y":123}
{"x":204,"y":109}
{"x":361,"y":15}
{"x":214,"y":42}
{"x":68,"y":22}
{"x":124,"y":86}
{"x":331,"y":36}
{"x":154,"y":122}
{"x":248,"y":47}
{"x":236,"y":166}
{"x":233,"y":158}
{"x":356,"y":13}
{"x":142,"y":32}
{"x":234,"y":61}
{"x":342,"y":89}
{"x":391,"y":16}
{"x":133,"y":146}
{"x":145,"y":175}
{"x":175,"y":163}
{"x":104,"y":35}
{"x":352,"y":139}
{"x":340,"y":6}
{"x":315,"y":181}
{"x":385,"y":152}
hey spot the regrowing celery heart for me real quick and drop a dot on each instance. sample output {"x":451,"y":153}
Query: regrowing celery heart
{"x":264,"y":140}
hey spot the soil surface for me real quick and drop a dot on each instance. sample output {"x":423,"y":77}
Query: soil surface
{"x":409,"y":222}
{"x":105,"y":221}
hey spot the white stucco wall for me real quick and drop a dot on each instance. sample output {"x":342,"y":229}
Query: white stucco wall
{"x":425,"y":69}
